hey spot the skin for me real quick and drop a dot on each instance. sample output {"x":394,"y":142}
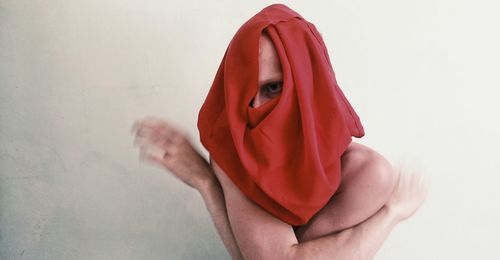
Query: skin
{"x":270,"y":73}
{"x":361,"y":166}
{"x":373,"y":197}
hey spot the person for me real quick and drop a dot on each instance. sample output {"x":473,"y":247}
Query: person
{"x":372,"y":198}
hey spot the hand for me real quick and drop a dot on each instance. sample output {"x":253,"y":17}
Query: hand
{"x":176,"y":152}
{"x":408,"y":195}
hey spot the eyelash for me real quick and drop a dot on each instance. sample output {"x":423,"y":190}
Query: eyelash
{"x":266,"y":88}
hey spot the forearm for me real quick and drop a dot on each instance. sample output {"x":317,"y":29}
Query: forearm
{"x":212,"y":194}
{"x":359,"y":242}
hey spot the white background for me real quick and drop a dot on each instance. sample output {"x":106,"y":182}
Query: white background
{"x":74,"y":75}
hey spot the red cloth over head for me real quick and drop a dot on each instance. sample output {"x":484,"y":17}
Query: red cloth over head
{"x":285,"y":154}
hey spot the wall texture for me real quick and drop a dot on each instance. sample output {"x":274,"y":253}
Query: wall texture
{"x":74,"y":75}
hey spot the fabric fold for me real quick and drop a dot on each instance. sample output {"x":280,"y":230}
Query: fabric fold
{"x":285,"y":154}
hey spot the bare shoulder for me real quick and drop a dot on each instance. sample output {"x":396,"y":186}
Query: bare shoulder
{"x":359,"y":149}
{"x":358,"y":155}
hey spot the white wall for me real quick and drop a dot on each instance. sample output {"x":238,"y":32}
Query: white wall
{"x":74,"y":75}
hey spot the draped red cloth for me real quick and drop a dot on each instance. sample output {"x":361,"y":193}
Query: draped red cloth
{"x":285,"y":154}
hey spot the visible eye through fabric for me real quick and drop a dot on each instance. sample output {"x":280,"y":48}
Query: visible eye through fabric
{"x":284,"y":155}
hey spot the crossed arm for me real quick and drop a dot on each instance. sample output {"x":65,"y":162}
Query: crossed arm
{"x":249,"y":232}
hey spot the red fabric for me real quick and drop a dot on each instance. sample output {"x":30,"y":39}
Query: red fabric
{"x":285,"y":154}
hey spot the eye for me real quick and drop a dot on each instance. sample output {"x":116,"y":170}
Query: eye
{"x":273,"y":88}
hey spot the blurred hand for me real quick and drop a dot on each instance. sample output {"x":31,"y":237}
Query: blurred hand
{"x":174,"y":150}
{"x":408,"y":195}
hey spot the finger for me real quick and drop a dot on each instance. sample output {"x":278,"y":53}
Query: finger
{"x":421,"y":187}
{"x":134,"y":126}
{"x":165,"y":159}
{"x":154,"y":158}
{"x":158,"y":150}
{"x":141,"y":140}
{"x":167,"y":143}
{"x":147,"y":150}
{"x":146,"y":133}
{"x":164,"y":127}
{"x":425,"y":186}
{"x":154,"y":132}
{"x":149,"y":121}
{"x":143,"y":136}
{"x":167,"y":138}
{"x":168,"y":129}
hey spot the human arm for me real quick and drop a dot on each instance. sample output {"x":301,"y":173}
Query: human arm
{"x":184,"y":162}
{"x":262,"y":236}
{"x":359,"y":242}
{"x":258,"y":234}
{"x":213,"y":196}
